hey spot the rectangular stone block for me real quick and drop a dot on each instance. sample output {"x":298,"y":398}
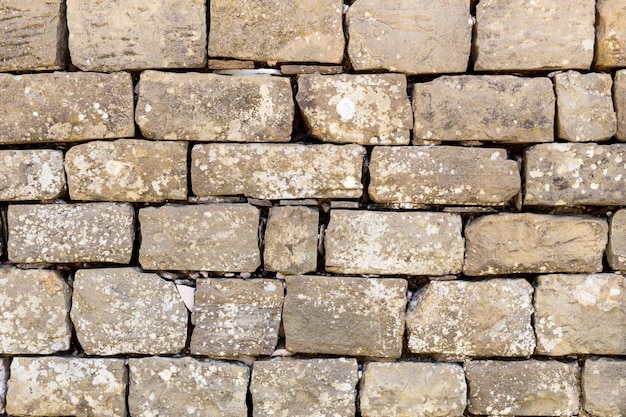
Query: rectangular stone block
{"x":70,"y":233}
{"x":215,"y":108}
{"x":205,"y":237}
{"x":408,"y":243}
{"x":534,"y":243}
{"x":65,"y":107}
{"x":604,"y":387}
{"x":442,"y":175}
{"x":127,"y":170}
{"x":276,"y":171}
{"x":493,"y":108}
{"x":610,"y":33}
{"x":616,"y":249}
{"x":31,"y":174}
{"x":4,"y":376}
{"x":619,"y":98}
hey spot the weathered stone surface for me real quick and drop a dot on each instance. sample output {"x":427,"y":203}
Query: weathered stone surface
{"x":410,"y":36}
{"x":619,"y":97}
{"x":236,"y":317}
{"x":580,"y":314}
{"x":35,"y":307}
{"x":495,"y":108}
{"x":33,"y":174}
{"x":412,"y":243}
{"x":523,"y":388}
{"x":187,"y":387}
{"x":616,"y":249}
{"x":207,"y":237}
{"x":133,"y":35}
{"x":4,"y":376}
{"x":442,"y":175}
{"x":68,"y":233}
{"x":611,"y":33}
{"x":345,"y":316}
{"x":294,"y":69}
{"x":370,"y":109}
{"x":275,"y":171}
{"x":541,"y":34}
{"x":604,"y":387}
{"x":215,"y":108}
{"x":58,"y":386}
{"x":229,"y":64}
{"x":127,"y":170}
{"x":575,"y":173}
{"x":534,"y":243}
{"x":412,"y":389}
{"x":304,"y":387}
{"x":266,"y":30}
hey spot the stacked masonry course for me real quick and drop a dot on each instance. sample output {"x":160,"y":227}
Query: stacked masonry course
{"x":412,"y":208}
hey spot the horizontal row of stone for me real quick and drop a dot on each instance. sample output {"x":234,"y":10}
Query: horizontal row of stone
{"x":368,"y":109}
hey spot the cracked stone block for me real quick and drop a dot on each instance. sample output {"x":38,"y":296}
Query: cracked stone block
{"x":619,"y":98}
{"x":604,"y":387}
{"x":611,"y":33}
{"x":616,"y":249}
{"x":4,"y":376}
{"x":31,"y":174}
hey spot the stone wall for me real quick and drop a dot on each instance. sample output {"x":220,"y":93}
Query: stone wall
{"x":311,"y":208}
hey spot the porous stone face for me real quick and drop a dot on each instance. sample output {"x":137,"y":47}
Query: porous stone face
{"x":580,"y":314}
{"x":604,"y":387}
{"x":619,"y":97}
{"x":494,"y":108}
{"x":33,"y":174}
{"x":412,"y":389}
{"x":412,"y":243}
{"x":442,"y":175}
{"x":523,"y":35}
{"x":208,"y":237}
{"x":611,"y":33}
{"x":345,"y":316}
{"x":65,"y":107}
{"x":4,"y":376}
{"x":523,"y":388}
{"x":410,"y":36}
{"x":127,"y":170}
{"x":133,"y":35}
{"x":236,"y":317}
{"x":276,"y":171}
{"x":215,"y":108}
{"x":120,"y":310}
{"x":616,"y":249}
{"x":187,"y":387}
{"x":370,"y":109}
{"x":58,"y":386}
{"x":69,"y":233}
{"x":534,"y":243}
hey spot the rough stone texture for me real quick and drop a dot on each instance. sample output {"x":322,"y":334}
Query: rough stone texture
{"x":236,"y":317}
{"x":187,"y":387}
{"x":442,"y":175}
{"x":35,"y":307}
{"x":33,"y":174}
{"x":534,"y":243}
{"x":304,"y":387}
{"x":523,"y":388}
{"x":370,"y":109}
{"x":345,"y":316}
{"x":469,"y":319}
{"x":276,"y":171}
{"x":412,"y":243}
{"x":266,"y":30}
{"x":207,"y":237}
{"x":58,"y":386}
{"x":215,"y":108}
{"x":575,"y":173}
{"x":291,"y":240}
{"x":534,"y":35}
{"x":121,"y":310}
{"x":127,"y":170}
{"x":580,"y":314}
{"x":410,"y":36}
{"x":619,"y":97}
{"x":616,"y":249}
{"x":495,"y":108}
{"x":4,"y":376}
{"x":611,"y":33}
{"x":133,"y":35}
{"x":68,"y":233}
{"x":412,"y":389}
{"x":604,"y":387}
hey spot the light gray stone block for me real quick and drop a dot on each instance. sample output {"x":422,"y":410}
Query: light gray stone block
{"x":31,"y":174}
{"x":604,"y":387}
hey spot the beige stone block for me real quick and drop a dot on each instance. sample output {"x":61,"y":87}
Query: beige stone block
{"x":611,"y":33}
{"x":31,"y":174}
{"x":619,"y":98}
{"x":616,"y":249}
{"x":4,"y":376}
{"x":604,"y":387}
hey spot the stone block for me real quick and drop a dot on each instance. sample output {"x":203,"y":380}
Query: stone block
{"x":71,"y":233}
{"x":619,"y":98}
{"x":492,"y":108}
{"x":345,"y":316}
{"x":127,"y":170}
{"x":604,"y":387}
{"x":616,"y":249}
{"x":611,"y":34}
{"x":5,"y":363}
{"x":442,"y":175}
{"x":215,"y":108}
{"x":205,"y":237}
{"x":132,"y":35}
{"x":31,"y":174}
{"x":580,"y":314}
{"x":277,"y":171}
{"x":408,"y":243}
{"x":534,"y":243}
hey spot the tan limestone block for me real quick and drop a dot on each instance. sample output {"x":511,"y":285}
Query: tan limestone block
{"x":31,"y":174}
{"x":619,"y":98}
{"x":604,"y":387}
{"x":616,"y":249}
{"x":611,"y":33}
